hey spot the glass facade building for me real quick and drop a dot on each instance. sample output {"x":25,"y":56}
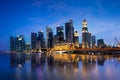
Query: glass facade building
{"x":33,"y":40}
{"x":69,"y":31}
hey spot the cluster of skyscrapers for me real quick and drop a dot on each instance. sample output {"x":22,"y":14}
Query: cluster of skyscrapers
{"x":89,"y":40}
{"x":37,"y":40}
{"x":64,"y":35}
{"x":17,"y":44}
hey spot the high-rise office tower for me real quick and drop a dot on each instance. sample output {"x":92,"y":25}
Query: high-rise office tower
{"x":56,"y":40}
{"x":19,"y":43}
{"x":89,"y":40}
{"x":12,"y":44}
{"x":43,"y":45}
{"x":76,"y":39}
{"x":41,"y":39}
{"x":86,"y":36}
{"x":49,"y":37}
{"x":40,"y":34}
{"x":33,"y":40}
{"x":60,"y":34}
{"x":93,"y":41}
{"x":100,"y":43}
{"x":69,"y":31}
{"x":38,"y":44}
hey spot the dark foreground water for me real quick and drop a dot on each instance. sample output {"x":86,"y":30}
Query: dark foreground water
{"x":22,"y":66}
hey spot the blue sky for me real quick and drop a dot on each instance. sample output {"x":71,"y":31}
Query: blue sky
{"x":26,"y":16}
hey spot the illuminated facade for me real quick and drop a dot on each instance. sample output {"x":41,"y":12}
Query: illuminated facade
{"x":63,"y":46}
{"x":69,"y":31}
{"x":86,"y":36}
{"x":76,"y":39}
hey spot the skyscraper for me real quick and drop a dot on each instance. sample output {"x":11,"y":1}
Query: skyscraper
{"x":49,"y":37}
{"x":12,"y":44}
{"x":89,"y":40}
{"x":33,"y":40}
{"x":100,"y":43}
{"x":19,"y":43}
{"x":93,"y":41}
{"x":69,"y":31}
{"x":40,"y":34}
{"x":56,"y":40}
{"x":86,"y":36}
{"x":27,"y":46}
{"x":76,"y":39}
{"x":41,"y":39}
{"x":60,"y":34}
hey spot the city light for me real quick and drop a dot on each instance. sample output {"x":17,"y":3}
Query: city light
{"x":60,"y":40}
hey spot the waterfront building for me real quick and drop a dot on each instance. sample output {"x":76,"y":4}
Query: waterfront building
{"x":27,"y":46}
{"x":19,"y":43}
{"x":40,"y":35}
{"x":49,"y":37}
{"x":63,"y":46}
{"x":86,"y":36}
{"x":69,"y":31}
{"x":33,"y":40}
{"x":76,"y":39}
{"x":100,"y":43}
{"x":80,"y":45}
{"x":41,"y":39}
{"x":60,"y":34}
{"x":12,"y":44}
{"x":89,"y":40}
{"x":56,"y":40}
{"x":43,"y":45}
{"x":38,"y":44}
{"x":93,"y":41}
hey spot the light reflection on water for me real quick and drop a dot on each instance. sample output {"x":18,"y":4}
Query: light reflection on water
{"x":22,"y":66}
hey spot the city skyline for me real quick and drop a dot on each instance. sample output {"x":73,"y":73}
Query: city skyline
{"x":31,"y":19}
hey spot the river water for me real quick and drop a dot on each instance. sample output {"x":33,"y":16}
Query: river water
{"x":21,"y":66}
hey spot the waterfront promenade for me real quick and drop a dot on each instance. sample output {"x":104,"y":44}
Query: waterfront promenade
{"x":109,"y":50}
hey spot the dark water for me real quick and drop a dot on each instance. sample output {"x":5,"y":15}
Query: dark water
{"x":34,"y":67}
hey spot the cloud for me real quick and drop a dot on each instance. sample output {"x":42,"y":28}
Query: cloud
{"x":37,"y":3}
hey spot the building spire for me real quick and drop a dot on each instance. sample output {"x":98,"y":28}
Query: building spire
{"x":84,"y":23}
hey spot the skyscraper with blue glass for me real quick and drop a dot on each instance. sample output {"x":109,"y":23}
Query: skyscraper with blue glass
{"x":69,"y":31}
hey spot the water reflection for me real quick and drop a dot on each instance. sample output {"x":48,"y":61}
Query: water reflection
{"x":88,"y":64}
{"x":48,"y":67}
{"x":17,"y":60}
{"x":101,"y":60}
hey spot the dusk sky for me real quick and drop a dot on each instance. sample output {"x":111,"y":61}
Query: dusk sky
{"x":26,"y":16}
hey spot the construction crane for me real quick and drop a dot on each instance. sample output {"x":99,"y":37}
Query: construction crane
{"x":118,"y":44}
